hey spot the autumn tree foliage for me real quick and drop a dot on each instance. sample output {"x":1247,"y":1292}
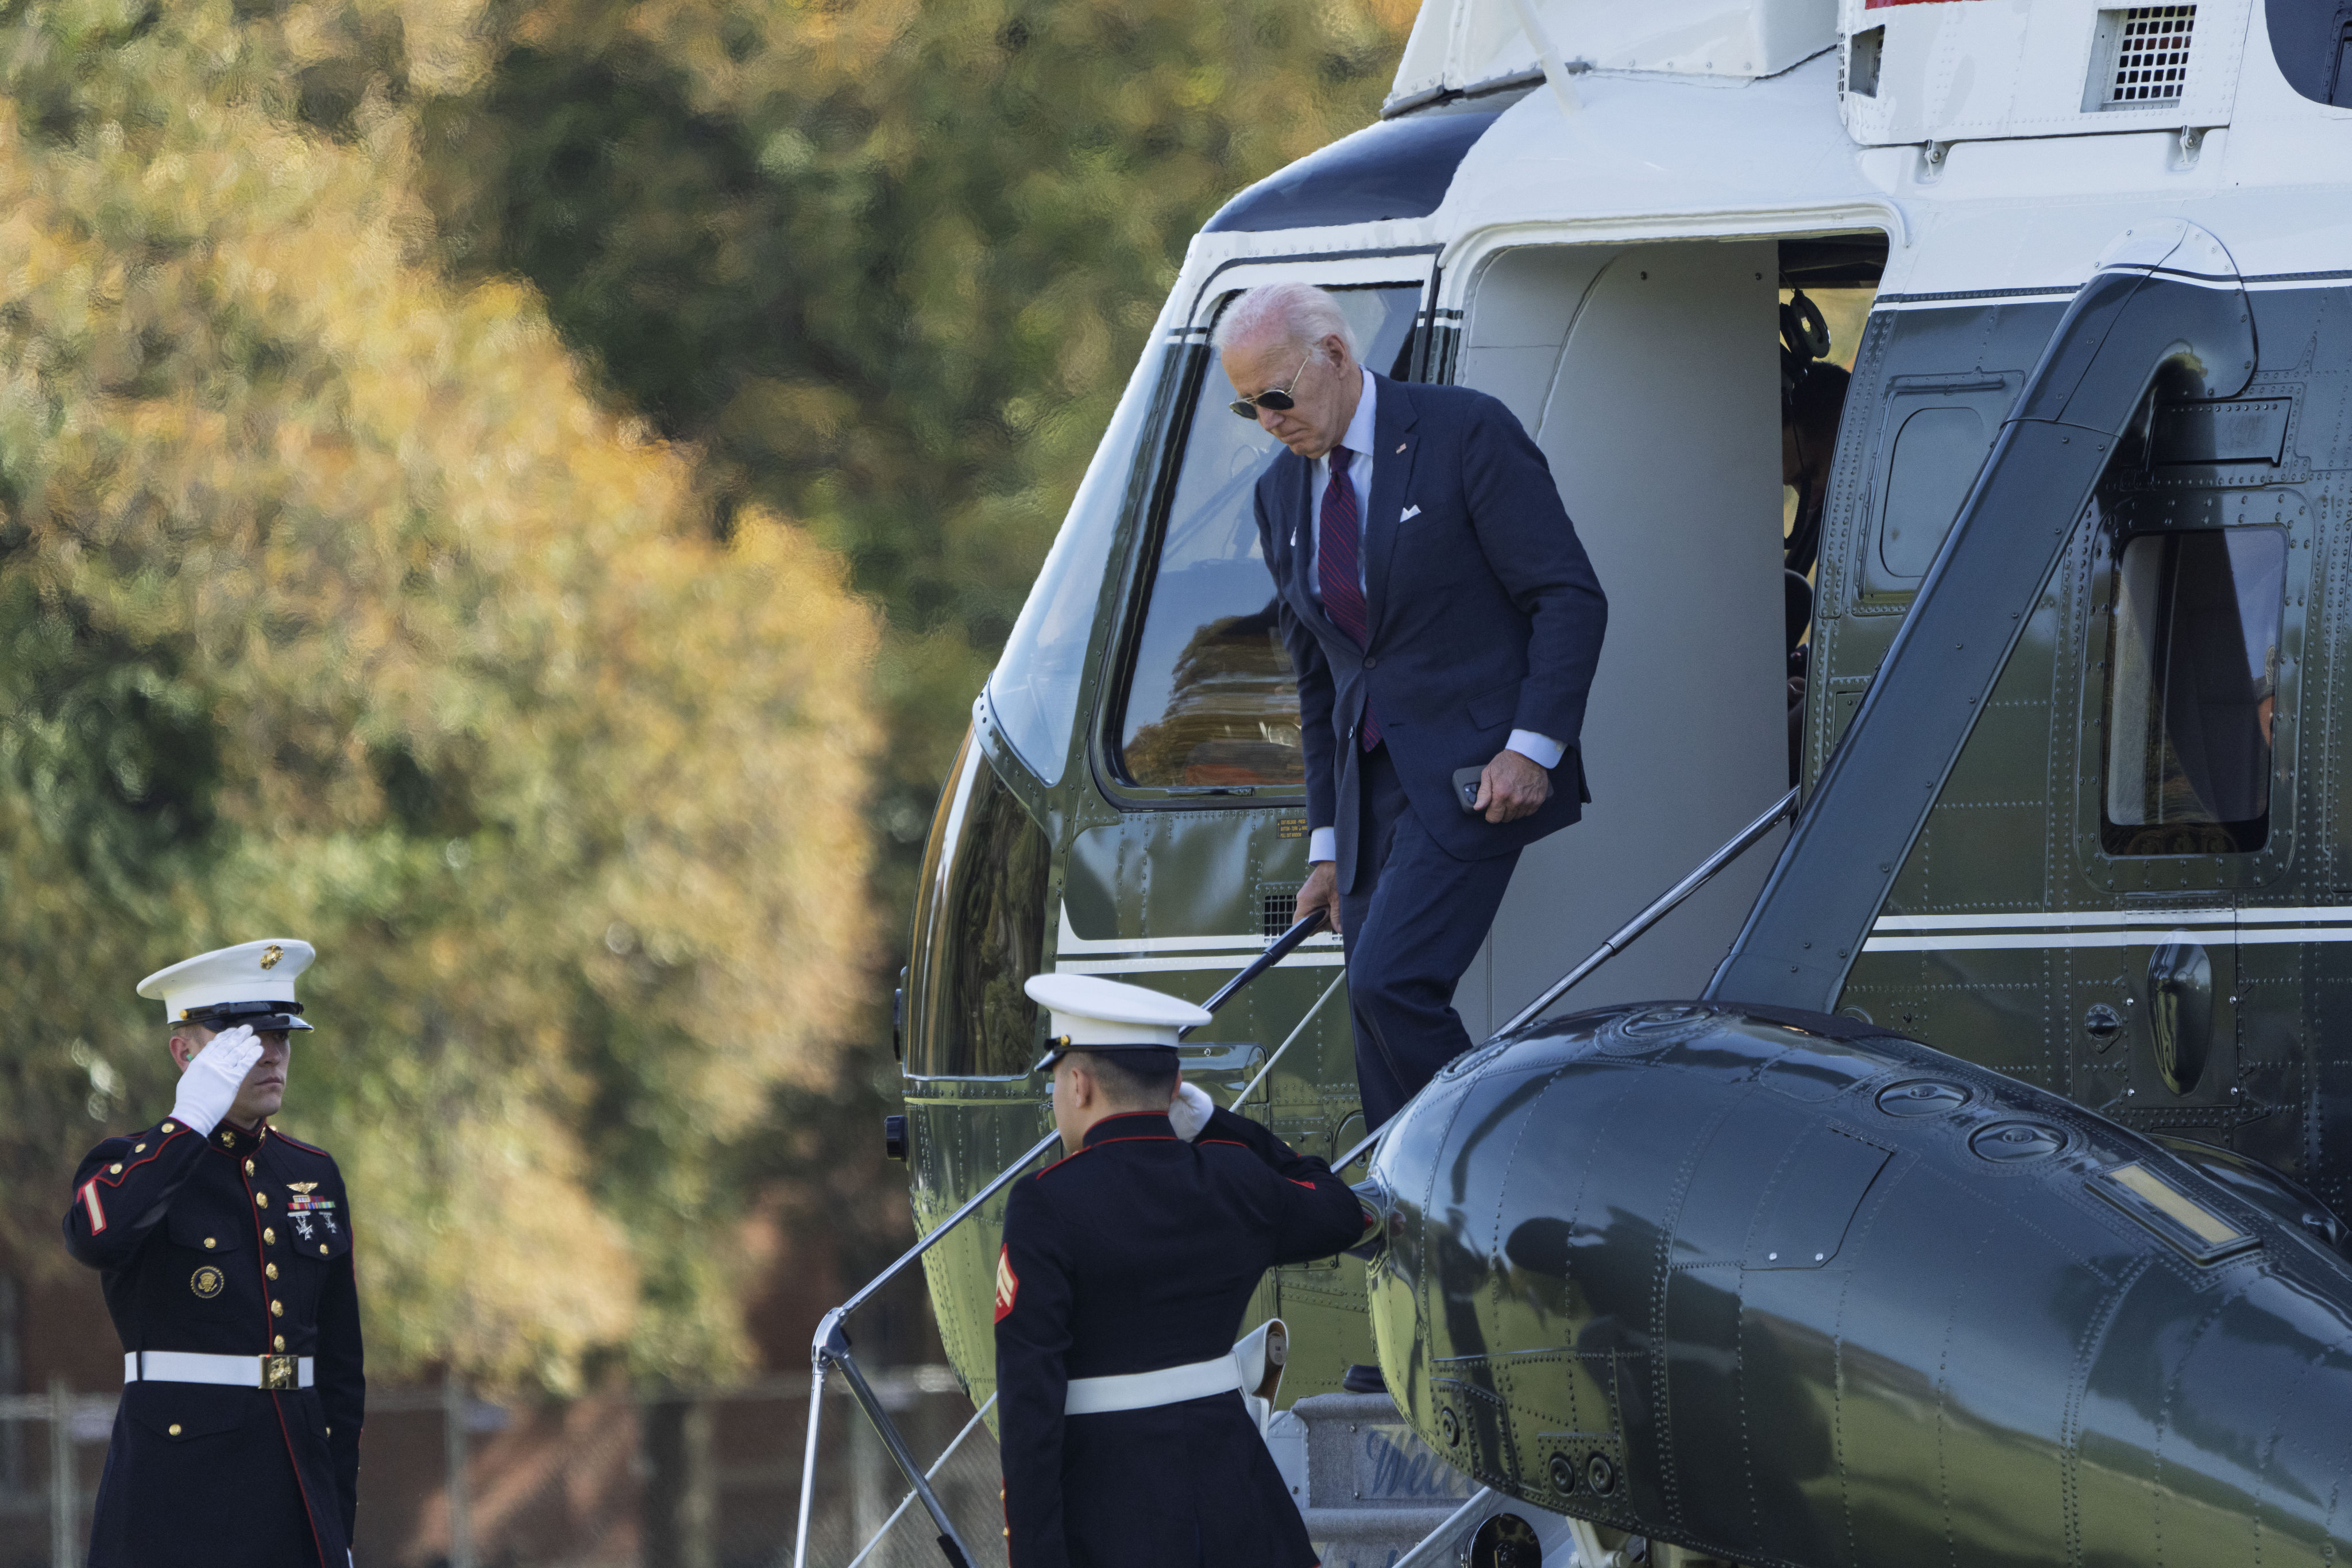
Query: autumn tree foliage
{"x":522,"y":493}
{"x":332,"y":604}
{"x":888,"y":261}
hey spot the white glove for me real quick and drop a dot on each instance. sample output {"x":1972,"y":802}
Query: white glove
{"x":1191,"y":1112}
{"x":214,"y":1075}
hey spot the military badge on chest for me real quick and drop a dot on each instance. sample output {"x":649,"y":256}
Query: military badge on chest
{"x":312,"y":1215}
{"x":206,"y":1282}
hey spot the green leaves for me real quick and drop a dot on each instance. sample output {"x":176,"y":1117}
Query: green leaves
{"x":333,"y":604}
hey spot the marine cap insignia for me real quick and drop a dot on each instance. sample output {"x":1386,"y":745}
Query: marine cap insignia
{"x":272,"y":955}
{"x":206,"y":1282}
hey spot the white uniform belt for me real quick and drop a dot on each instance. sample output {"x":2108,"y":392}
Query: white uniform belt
{"x":1142,"y":1390}
{"x":227,"y":1370}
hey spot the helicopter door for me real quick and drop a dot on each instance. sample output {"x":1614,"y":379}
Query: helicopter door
{"x":2194,"y":618}
{"x":1650,"y":376}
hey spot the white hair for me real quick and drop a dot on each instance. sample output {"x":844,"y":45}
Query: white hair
{"x":1304,"y":315}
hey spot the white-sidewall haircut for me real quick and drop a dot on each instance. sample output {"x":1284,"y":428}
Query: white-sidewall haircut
{"x":1300,"y":312}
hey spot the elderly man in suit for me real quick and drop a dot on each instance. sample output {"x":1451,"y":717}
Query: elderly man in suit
{"x":1444,"y":623}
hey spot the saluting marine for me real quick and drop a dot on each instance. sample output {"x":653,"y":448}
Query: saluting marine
{"x":1125,"y":1272}
{"x":224,"y":1247}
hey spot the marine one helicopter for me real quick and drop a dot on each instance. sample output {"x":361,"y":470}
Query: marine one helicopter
{"x":1971,"y":1199}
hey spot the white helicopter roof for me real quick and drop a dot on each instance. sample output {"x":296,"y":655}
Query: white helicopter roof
{"x":1463,"y":45}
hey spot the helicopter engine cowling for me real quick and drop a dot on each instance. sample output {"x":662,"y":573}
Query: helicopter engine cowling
{"x":1783,"y":1288}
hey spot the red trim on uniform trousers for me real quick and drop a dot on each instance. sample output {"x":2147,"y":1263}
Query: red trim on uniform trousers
{"x":309,"y":1516}
{"x":261,"y":1263}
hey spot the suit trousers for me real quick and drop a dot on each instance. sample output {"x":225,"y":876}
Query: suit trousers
{"x":1411,"y":927}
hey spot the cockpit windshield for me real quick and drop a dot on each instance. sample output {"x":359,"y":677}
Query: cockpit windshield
{"x":1212,"y":698}
{"x":1035,"y":690}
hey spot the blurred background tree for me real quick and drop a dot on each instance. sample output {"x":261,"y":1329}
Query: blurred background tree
{"x":523,"y":492}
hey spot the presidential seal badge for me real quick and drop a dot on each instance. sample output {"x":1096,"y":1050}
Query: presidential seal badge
{"x":206,"y":1282}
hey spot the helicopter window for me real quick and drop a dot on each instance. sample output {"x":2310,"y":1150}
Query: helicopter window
{"x":2193,"y":680}
{"x":980,"y":923}
{"x":1034,"y":689}
{"x":1935,"y":432}
{"x":1937,"y":456}
{"x":1212,"y":698}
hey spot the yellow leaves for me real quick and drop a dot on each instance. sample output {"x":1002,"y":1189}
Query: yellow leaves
{"x":481,"y":688}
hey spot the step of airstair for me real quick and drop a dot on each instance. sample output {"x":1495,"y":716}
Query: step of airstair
{"x":1371,"y":1490}
{"x":1368,"y":1487}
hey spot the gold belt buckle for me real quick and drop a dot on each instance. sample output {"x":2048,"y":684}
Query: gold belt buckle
{"x":277,"y":1372}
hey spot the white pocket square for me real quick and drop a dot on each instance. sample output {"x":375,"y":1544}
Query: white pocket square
{"x":1409,"y":513}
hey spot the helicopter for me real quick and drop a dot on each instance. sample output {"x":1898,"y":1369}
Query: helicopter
{"x":2027,"y":1021}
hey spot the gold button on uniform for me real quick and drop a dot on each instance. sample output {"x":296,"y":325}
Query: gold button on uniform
{"x":270,"y":1269}
{"x":261,"y":1200}
{"x":175,"y":1429}
{"x":269,"y":1236}
{"x":115,"y":1169}
{"x":322,"y":1249}
{"x":140,"y":1149}
{"x":277,"y":1308}
{"x":248,"y":1167}
{"x":278,"y":1345}
{"x":169,"y":1128}
{"x":210,"y":1243}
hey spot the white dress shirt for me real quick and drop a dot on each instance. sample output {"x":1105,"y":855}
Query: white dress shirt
{"x":1542,"y":750}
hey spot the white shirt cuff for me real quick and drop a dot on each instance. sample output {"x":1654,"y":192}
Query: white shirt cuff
{"x":1323,"y":844}
{"x":1540,"y":749}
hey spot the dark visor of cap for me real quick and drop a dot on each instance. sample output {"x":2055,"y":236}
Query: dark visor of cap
{"x":1059,"y":1047}
{"x":262,"y":1018}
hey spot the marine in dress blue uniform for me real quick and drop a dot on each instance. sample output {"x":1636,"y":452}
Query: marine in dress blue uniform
{"x":225,"y":1253}
{"x":1125,"y":1272}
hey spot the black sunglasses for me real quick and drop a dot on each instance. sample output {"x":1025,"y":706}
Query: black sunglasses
{"x":1278,"y":398}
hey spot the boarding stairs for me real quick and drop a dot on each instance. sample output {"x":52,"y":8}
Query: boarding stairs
{"x":1373,"y":1494}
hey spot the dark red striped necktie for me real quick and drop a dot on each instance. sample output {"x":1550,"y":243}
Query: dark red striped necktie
{"x":1338,"y":550}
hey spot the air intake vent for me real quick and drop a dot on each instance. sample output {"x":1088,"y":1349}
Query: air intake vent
{"x":2141,"y":61}
{"x":1276,"y":912}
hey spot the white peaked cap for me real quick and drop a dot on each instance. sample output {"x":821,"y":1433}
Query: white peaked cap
{"x":251,"y":972}
{"x":1091,"y":1012}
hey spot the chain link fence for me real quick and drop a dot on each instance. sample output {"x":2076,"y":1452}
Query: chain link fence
{"x":701,"y":1479}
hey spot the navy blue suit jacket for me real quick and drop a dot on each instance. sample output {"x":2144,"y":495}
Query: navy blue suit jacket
{"x":1484,"y":618}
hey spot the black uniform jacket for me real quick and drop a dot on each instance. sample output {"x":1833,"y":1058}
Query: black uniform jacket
{"x":1139,"y":1252}
{"x":240,"y":1244}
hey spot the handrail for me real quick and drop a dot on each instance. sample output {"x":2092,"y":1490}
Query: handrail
{"x":930,"y":1475}
{"x":1282,"y":947}
{"x":830,"y":1347}
{"x":1304,"y":1019}
{"x":1429,"y":1548}
{"x":1622,"y":938}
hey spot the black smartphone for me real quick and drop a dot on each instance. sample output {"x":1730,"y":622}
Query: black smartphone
{"x":1465,"y":786}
